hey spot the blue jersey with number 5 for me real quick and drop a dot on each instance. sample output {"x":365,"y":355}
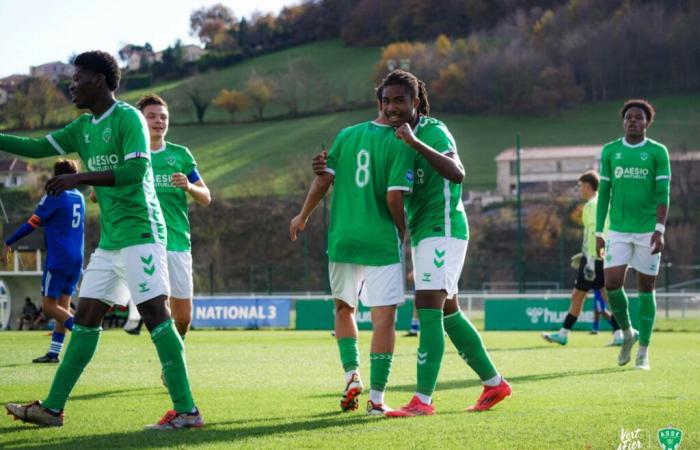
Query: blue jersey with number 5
{"x":63,"y":220}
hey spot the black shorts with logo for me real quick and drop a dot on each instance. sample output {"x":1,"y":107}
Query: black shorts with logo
{"x":584,"y":285}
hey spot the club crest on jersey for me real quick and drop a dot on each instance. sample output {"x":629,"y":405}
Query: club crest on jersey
{"x":644,"y":156}
{"x":171,"y":160}
{"x":107,"y":135}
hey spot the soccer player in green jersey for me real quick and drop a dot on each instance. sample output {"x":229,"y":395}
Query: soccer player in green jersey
{"x":370,"y":172}
{"x":175,"y":173}
{"x":131,"y":256}
{"x":590,"y":266}
{"x":439,"y":233}
{"x":634,"y":190}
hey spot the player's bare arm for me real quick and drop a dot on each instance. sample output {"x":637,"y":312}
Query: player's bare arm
{"x":317,"y":191}
{"x":198,"y":190}
{"x":394,"y":201}
{"x":657,"y":239}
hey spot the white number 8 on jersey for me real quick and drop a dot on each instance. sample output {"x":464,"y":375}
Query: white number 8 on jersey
{"x":362,"y":173}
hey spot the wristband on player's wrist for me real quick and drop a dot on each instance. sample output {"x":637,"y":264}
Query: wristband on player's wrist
{"x":660,"y":227}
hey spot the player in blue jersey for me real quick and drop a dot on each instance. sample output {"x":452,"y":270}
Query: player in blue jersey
{"x":63,"y":220}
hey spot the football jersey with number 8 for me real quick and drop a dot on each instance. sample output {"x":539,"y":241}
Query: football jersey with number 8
{"x":367,"y":160}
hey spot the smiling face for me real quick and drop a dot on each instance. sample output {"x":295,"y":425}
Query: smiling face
{"x":635,"y":123}
{"x":84,"y":87}
{"x":398,"y":105}
{"x":158,"y":119}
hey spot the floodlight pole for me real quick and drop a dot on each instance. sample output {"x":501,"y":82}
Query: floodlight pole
{"x":518,"y":205}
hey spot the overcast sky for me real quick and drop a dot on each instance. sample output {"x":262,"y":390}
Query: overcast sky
{"x":34,"y":32}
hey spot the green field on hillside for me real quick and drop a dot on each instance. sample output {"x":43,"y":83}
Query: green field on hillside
{"x":346,"y":71}
{"x":273,"y":157}
{"x":280,"y":389}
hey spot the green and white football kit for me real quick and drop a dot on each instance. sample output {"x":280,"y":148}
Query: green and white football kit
{"x":131,"y":252}
{"x":634,"y":180}
{"x":166,"y":161}
{"x":367,"y":161}
{"x":436,"y":217}
{"x":439,"y":239}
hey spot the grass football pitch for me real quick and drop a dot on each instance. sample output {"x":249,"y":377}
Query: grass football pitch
{"x":280,"y":389}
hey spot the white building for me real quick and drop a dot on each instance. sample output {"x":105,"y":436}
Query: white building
{"x":190,"y":53}
{"x":544,"y":170}
{"x":13,"y":173}
{"x":54,"y":71}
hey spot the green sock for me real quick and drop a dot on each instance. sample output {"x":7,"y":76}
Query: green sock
{"x":469,"y":345}
{"x":647,"y":316}
{"x":81,"y":347}
{"x":431,"y":347}
{"x":380,"y":368}
{"x":171,"y":353}
{"x":349,"y":353}
{"x":619,"y":307}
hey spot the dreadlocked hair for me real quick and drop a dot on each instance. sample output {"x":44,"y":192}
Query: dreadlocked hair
{"x":414,"y":86}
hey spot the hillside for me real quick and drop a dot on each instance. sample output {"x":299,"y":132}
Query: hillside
{"x":273,"y":157}
{"x":343,"y":72}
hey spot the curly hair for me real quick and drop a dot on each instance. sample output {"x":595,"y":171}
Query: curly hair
{"x":101,"y":62}
{"x":413,"y":85}
{"x":648,"y":108}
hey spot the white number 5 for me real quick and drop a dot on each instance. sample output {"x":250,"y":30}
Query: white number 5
{"x":75,"y":223}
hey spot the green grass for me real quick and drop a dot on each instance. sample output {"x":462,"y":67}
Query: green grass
{"x":279,"y":389}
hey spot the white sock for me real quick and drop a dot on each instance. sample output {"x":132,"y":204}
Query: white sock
{"x":494,"y":381}
{"x":627,"y":333}
{"x":349,"y":375}
{"x":563,"y":332}
{"x":377,"y":397}
{"x":617,"y":334}
{"x":424,"y":398}
{"x":642,"y":351}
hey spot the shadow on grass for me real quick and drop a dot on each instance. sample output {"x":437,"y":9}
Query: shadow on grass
{"x":2,"y":366}
{"x":212,"y":433}
{"x":474,"y":382}
{"x":120,"y":393}
{"x":517,"y":349}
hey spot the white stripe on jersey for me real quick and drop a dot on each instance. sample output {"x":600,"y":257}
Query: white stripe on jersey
{"x":145,"y":154}
{"x":55,"y":145}
{"x":448,"y":223}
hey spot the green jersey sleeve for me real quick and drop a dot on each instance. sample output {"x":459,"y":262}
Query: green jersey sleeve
{"x":603,"y":191}
{"x":663,"y":177}
{"x":188,"y":162}
{"x":69,"y":139}
{"x":401,"y":163}
{"x":334,"y":153}
{"x":134,"y":135}
{"x":439,"y":138}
